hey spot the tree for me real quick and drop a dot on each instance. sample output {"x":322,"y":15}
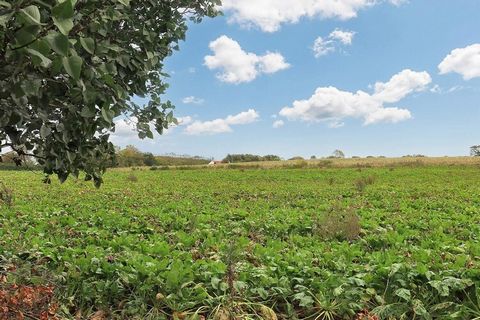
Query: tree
{"x":475,"y":151}
{"x":149,"y":159}
{"x":338,"y":154}
{"x":68,"y":68}
{"x":130,"y":157}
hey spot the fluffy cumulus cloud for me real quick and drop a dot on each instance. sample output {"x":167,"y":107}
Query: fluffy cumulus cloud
{"x":269,"y":15}
{"x":332,"y":105}
{"x":222,"y":125}
{"x":465,"y":61}
{"x":335,"y":40}
{"x":237,"y":66}
{"x":193,"y":100}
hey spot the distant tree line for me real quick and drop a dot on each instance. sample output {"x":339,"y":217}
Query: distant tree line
{"x":130,"y":156}
{"x":234,"y":158}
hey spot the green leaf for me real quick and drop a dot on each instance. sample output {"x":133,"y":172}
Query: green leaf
{"x":31,"y":14}
{"x":5,"y":18}
{"x":44,"y":61}
{"x":45,"y":131}
{"x":5,"y":4}
{"x":62,"y":15}
{"x":73,"y":66}
{"x":64,"y":25}
{"x":58,"y":42}
{"x":88,"y":44}
{"x":63,"y":10}
{"x":404,"y":294}
{"x":419,"y":308}
{"x":107,"y":114}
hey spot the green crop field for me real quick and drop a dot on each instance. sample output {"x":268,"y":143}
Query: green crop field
{"x":307,"y":243}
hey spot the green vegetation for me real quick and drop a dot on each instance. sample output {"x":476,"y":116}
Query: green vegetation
{"x":309,"y":243}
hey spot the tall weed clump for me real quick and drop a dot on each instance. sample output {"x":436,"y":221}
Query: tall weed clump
{"x":6,"y":195}
{"x":338,"y":223}
{"x":362,"y":183}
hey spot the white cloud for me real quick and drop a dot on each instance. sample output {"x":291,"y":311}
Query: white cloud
{"x":221,"y":125}
{"x":193,"y":100}
{"x":322,"y":47}
{"x":239,"y":66}
{"x":332,"y":105}
{"x":279,"y":123}
{"x":336,"y":124}
{"x":269,"y":15}
{"x":337,"y":38}
{"x":343,"y":36}
{"x":465,"y":61}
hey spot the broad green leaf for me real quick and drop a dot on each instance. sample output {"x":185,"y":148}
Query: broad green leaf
{"x":5,"y":4}
{"x":73,"y":66}
{"x":64,"y":25}
{"x":63,"y":10}
{"x":107,"y":114}
{"x":58,"y":42}
{"x":88,"y":44}
{"x":44,"y":61}
{"x":404,"y":294}
{"x":45,"y":131}
{"x":62,"y":15}
{"x":31,"y":14}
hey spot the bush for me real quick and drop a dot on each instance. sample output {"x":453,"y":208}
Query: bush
{"x":324,"y":163}
{"x":299,"y":164}
{"x":338,"y":223}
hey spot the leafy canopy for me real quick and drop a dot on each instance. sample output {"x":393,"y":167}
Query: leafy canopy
{"x":69,"y":67}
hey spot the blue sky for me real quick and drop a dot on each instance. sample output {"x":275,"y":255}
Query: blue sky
{"x":301,"y":63}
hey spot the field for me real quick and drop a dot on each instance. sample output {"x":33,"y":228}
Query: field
{"x":323,"y":241}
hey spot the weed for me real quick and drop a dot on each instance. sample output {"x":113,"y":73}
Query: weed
{"x":338,"y":223}
{"x":362,"y":183}
{"x":132,"y":178}
{"x":6,"y":195}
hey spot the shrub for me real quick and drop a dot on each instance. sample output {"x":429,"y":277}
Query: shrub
{"x":338,"y":223}
{"x":299,"y":164}
{"x":324,"y":163}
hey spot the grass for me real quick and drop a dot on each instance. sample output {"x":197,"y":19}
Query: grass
{"x":299,"y":243}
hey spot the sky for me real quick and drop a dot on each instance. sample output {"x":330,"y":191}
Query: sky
{"x":306,"y":77}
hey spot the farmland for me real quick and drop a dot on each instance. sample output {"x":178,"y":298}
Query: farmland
{"x":385,"y":241}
